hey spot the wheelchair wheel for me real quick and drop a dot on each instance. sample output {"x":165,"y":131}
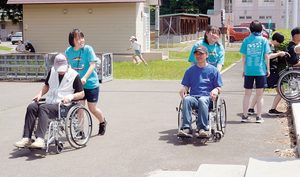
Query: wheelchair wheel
{"x":289,"y":86}
{"x":78,"y":126}
{"x":221,"y":115}
{"x":59,"y":147}
{"x":180,"y":117}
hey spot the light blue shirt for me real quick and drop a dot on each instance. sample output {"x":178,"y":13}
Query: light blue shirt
{"x":80,"y":62}
{"x":216,"y":53}
{"x":255,"y":47}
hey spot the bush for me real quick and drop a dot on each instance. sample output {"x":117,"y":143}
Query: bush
{"x":287,"y":39}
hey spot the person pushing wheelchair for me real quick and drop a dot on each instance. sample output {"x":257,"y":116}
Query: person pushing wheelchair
{"x":204,"y":82}
{"x":62,"y":84}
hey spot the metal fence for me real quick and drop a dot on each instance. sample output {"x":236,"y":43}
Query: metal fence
{"x":36,"y":66}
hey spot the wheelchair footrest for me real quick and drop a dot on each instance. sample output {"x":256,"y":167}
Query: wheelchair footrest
{"x":184,"y":136}
{"x":202,"y":137}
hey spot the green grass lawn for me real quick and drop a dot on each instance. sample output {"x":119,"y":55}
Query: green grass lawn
{"x":5,"y":48}
{"x":162,"y":70}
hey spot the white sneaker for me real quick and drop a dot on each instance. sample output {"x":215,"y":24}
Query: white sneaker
{"x":39,"y":143}
{"x":23,"y":143}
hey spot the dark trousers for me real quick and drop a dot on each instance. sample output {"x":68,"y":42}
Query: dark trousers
{"x":42,"y":111}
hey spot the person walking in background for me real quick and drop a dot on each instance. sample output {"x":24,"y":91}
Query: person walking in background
{"x":137,"y":47}
{"x":20,"y":47}
{"x":29,"y":47}
{"x":216,"y":50}
{"x":255,"y":49}
{"x":294,"y":60}
{"x":82,"y":59}
{"x":275,"y":60}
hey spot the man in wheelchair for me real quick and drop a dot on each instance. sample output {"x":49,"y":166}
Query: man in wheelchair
{"x":204,"y":82}
{"x":62,"y":84}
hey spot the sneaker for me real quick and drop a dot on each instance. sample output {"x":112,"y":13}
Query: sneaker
{"x":146,"y":64}
{"x":274,"y":112}
{"x":187,"y":132}
{"x":259,"y":120}
{"x":138,"y":63}
{"x":245,"y":119}
{"x":23,"y":143}
{"x":250,"y":111}
{"x":102,"y":127}
{"x":39,"y":143}
{"x":201,"y":132}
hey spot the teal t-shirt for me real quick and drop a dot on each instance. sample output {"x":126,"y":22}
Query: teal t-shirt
{"x":216,"y":53}
{"x":255,"y":47}
{"x":80,"y":62}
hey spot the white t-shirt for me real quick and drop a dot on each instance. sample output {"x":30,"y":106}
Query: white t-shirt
{"x":20,"y":48}
{"x":135,"y":45}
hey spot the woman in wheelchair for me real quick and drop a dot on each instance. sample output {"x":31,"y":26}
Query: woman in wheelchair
{"x":204,"y":82}
{"x":63,"y":84}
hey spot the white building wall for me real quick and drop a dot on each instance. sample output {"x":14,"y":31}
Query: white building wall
{"x":255,"y":10}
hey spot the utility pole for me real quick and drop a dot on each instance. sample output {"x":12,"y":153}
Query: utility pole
{"x":294,"y":13}
{"x":286,"y":14}
{"x":156,"y":27}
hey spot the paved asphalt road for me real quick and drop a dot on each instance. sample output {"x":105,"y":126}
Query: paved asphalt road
{"x":141,"y":132}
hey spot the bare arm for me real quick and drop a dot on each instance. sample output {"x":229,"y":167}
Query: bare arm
{"x":219,"y":66}
{"x":244,"y":62}
{"x":297,"y":48}
{"x":75,"y":96}
{"x":183,"y":91}
{"x":267,"y":60}
{"x":214,"y":93}
{"x":274,"y":55}
{"x":89,"y":72}
{"x":42,"y":92}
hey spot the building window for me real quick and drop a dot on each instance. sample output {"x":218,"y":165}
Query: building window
{"x":2,"y":26}
{"x":246,"y":1}
{"x":248,"y":17}
{"x":264,"y":17}
{"x":269,"y":0}
{"x":242,"y":17}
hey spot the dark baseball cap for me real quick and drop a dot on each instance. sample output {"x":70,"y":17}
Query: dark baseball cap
{"x":201,"y":48}
{"x":295,"y":31}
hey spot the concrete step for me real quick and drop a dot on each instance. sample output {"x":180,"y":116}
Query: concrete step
{"x":214,"y":170}
{"x":173,"y":174}
{"x":272,"y":167}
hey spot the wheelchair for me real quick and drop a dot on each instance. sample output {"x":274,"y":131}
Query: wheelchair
{"x":289,"y":83}
{"x":217,"y":120}
{"x":73,"y":122}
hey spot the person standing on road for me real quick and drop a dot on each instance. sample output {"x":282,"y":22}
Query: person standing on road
{"x":83,"y":60}
{"x":255,"y":49}
{"x":216,"y":52}
{"x":275,"y":59}
{"x":29,"y":47}
{"x":294,"y":60}
{"x":137,"y":48}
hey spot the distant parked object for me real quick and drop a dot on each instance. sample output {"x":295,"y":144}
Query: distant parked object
{"x":238,"y":33}
{"x":16,"y":37}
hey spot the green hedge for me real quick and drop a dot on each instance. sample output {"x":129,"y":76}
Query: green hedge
{"x":287,"y":39}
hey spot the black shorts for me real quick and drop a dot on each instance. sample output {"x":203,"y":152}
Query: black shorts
{"x":91,"y":95}
{"x":260,"y":82}
{"x":272,"y":80}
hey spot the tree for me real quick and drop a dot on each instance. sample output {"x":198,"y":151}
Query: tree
{"x":13,"y":12}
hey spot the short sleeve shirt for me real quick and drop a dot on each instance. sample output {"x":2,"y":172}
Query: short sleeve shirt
{"x":216,"y":53}
{"x":294,"y":59}
{"x":202,"y":80}
{"x":255,"y":47}
{"x":80,"y":61}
